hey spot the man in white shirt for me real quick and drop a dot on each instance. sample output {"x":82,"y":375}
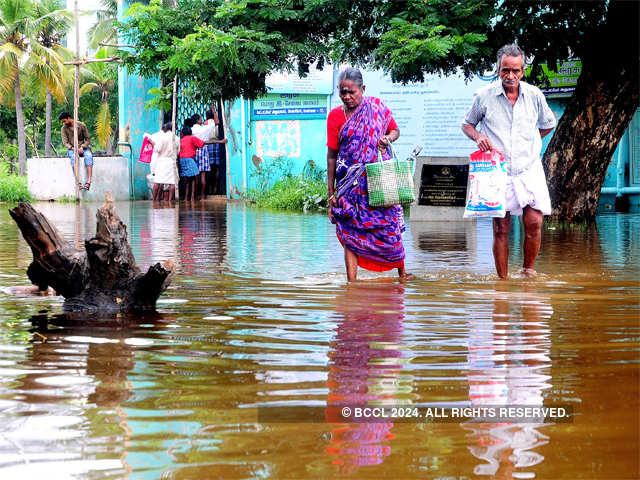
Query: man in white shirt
{"x":513,"y":117}
{"x":206,"y":133}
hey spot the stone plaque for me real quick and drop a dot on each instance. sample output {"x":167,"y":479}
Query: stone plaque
{"x":441,"y":189}
{"x":443,"y":185}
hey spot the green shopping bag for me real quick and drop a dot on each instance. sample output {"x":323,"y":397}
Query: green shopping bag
{"x":390,"y":182}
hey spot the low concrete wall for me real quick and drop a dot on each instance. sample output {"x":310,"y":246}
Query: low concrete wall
{"x":51,"y":178}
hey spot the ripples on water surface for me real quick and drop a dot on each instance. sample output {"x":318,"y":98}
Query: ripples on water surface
{"x":259,"y":315}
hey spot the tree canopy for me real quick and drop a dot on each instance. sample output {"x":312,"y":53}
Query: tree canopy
{"x":227,"y":48}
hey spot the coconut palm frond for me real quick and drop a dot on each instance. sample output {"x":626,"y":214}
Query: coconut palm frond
{"x":7,"y":97}
{"x":8,"y":71}
{"x":11,"y":51}
{"x":46,"y":65}
{"x":103,"y":124}
{"x":87,"y":87}
{"x":104,"y":31}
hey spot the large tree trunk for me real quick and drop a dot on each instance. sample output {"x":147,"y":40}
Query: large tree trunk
{"x":47,"y":128}
{"x":103,"y":277}
{"x":595,"y":118}
{"x":22,"y":141}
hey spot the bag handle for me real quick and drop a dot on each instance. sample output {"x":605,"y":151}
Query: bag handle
{"x":391,"y":151}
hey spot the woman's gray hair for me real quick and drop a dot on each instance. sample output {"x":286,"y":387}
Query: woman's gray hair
{"x":511,"y":50}
{"x":352,"y":74}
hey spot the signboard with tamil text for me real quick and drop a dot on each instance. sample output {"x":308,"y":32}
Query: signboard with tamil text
{"x":428,"y":113}
{"x":563,"y":82}
{"x":287,"y":106}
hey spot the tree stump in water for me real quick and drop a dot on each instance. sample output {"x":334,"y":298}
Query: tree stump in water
{"x":103,"y":277}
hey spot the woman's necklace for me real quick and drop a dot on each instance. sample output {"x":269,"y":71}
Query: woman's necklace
{"x":344,"y":110}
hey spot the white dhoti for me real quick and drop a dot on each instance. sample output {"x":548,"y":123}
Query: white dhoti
{"x":165,"y":171}
{"x":528,"y":188}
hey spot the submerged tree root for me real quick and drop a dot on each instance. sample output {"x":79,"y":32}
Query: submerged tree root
{"x":103,"y":277}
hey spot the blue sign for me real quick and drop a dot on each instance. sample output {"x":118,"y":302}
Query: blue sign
{"x":288,"y":106}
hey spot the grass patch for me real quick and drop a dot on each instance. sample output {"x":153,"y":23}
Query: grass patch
{"x":13,"y":188}
{"x":306,"y":192}
{"x":292,"y":193}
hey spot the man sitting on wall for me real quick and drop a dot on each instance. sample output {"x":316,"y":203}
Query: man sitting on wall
{"x":84,"y":146}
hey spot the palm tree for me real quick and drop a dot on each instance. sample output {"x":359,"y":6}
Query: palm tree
{"x":101,"y":77}
{"x":20,"y":51}
{"x":104,"y":30}
{"x":52,"y":29}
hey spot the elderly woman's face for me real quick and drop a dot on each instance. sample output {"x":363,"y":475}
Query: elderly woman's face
{"x":350,"y":94}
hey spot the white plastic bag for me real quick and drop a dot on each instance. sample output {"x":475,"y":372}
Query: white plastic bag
{"x":487,"y":185}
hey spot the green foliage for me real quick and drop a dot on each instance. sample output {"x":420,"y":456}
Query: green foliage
{"x":226,"y":48}
{"x":306,"y":192}
{"x":266,"y":172}
{"x":162,"y":98}
{"x":67,"y":199}
{"x":9,"y":156}
{"x":292,"y":193}
{"x":13,"y":188}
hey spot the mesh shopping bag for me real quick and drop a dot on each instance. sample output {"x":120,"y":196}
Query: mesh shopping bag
{"x":390,"y":182}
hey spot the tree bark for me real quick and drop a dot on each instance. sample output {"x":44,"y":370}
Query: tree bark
{"x":595,"y":119}
{"x":47,"y":128}
{"x":22,"y":141}
{"x":102,"y":278}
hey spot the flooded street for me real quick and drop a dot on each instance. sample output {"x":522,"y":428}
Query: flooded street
{"x":259,"y":315}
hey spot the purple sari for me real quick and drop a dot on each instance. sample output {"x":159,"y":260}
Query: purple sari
{"x":373,"y":234}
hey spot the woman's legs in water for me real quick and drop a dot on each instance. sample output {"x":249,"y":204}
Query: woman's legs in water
{"x":402,"y":273}
{"x":351,"y":263}
{"x":203,"y":185}
{"x":192,"y":182}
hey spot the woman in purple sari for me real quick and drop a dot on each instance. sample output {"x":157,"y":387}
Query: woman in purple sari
{"x":371,"y":237}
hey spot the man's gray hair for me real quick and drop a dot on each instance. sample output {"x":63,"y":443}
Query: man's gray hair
{"x":511,"y":50}
{"x":352,"y":74}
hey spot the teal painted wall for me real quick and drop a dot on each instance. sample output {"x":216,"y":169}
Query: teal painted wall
{"x":236,"y":148}
{"x":260,"y":142}
{"x":134,"y":119}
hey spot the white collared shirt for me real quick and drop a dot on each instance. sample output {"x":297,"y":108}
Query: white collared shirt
{"x":204,"y":132}
{"x":514,"y":130}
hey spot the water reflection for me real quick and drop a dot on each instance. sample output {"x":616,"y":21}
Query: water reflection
{"x":365,"y":363}
{"x":66,"y":401}
{"x":509,"y":365}
{"x":266,"y":319}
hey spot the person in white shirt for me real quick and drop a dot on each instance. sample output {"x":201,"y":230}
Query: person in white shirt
{"x":166,"y":147}
{"x":513,"y":117}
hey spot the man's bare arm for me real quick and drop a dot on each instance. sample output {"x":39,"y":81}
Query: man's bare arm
{"x":481,"y":140}
{"x":544,"y":132}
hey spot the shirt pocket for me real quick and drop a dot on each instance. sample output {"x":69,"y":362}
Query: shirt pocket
{"x":526,"y":125}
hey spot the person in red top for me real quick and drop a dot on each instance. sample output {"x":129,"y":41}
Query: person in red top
{"x":337,"y":118}
{"x":188,"y":168}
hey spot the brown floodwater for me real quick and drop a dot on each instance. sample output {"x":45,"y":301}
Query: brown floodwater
{"x":259,"y":318}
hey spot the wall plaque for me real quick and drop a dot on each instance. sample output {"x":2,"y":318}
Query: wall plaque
{"x":443,"y":185}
